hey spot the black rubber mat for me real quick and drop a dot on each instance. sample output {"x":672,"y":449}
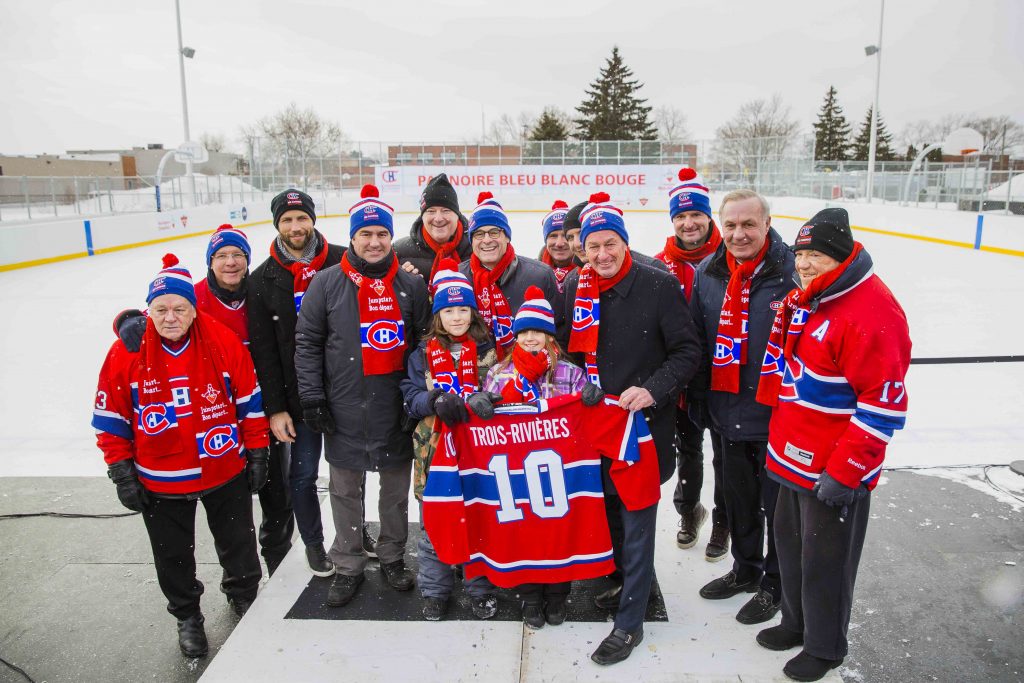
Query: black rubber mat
{"x":376,"y":601}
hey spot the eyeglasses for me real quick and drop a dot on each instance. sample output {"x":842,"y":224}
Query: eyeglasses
{"x":493,"y":233}
{"x":221,"y":257}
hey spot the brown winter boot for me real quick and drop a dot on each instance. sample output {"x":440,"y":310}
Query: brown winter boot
{"x":718,"y":546}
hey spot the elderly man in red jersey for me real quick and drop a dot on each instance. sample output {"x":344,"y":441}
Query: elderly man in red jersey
{"x":180,"y":420}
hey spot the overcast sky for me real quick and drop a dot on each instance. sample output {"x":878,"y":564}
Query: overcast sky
{"x":104,"y":74}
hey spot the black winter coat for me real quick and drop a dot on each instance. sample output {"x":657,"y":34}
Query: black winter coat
{"x":271,"y":305}
{"x":367,"y":410}
{"x":415,"y":250}
{"x":739,"y":417}
{"x":647,"y":339}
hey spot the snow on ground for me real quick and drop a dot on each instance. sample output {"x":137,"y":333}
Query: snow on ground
{"x":58,"y":329}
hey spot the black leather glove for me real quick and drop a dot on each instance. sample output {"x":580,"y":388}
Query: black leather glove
{"x":257,"y":468}
{"x":836,"y":494}
{"x":129,"y":489}
{"x":317,"y":416}
{"x":130,"y":325}
{"x":591,"y":394}
{"x":450,"y":409}
{"x":482,"y":404}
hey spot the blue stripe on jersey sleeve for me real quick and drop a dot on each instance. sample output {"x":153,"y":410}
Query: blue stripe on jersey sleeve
{"x":886,"y":424}
{"x":253,"y":404}
{"x":112,"y":425}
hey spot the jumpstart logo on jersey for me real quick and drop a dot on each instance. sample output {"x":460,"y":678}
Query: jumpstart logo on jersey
{"x":383,"y":335}
{"x":155,"y":418}
{"x":211,"y":394}
{"x":218,"y":441}
{"x":584,"y":313}
{"x":727,"y":351}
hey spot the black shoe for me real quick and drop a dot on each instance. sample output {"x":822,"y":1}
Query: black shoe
{"x":485,"y":607}
{"x":273,"y":562}
{"x":718,"y":546}
{"x":397,"y":576}
{"x":318,"y":561}
{"x":616,"y":647}
{"x":369,"y":543}
{"x":609,"y":599}
{"x":778,"y":638}
{"x":759,"y":608}
{"x":689,"y":526}
{"x":805,"y":667}
{"x":239,"y":605}
{"x":434,"y":609}
{"x":533,"y":616}
{"x":192,"y":636}
{"x":554,"y":612}
{"x":343,"y":589}
{"x":726,"y":587}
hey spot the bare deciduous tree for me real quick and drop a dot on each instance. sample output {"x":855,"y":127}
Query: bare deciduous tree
{"x":213,"y":142}
{"x":297,"y":132}
{"x":671,"y":123}
{"x":760,"y":130}
{"x":509,"y":130}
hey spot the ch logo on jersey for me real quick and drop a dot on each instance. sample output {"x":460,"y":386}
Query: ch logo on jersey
{"x":503,"y":329}
{"x":584,"y":314}
{"x":218,"y":441}
{"x":384,"y":335}
{"x":794,"y":373}
{"x":727,"y":351}
{"x":774,"y":362}
{"x":155,"y":418}
{"x":799,"y":317}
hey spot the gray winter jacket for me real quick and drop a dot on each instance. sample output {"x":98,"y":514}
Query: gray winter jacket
{"x":739,"y":417}
{"x":367,"y":410}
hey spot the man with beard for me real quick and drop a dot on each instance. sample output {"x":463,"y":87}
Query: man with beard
{"x":440,"y":232}
{"x":696,"y":237}
{"x":557,"y":252}
{"x":358,"y":325}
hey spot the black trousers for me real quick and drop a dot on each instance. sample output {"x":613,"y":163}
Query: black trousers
{"x":539,"y":593}
{"x":818,"y":556}
{"x":278,"y":525}
{"x":690,"y":441}
{"x":171,"y":524}
{"x":633,"y":547}
{"x":750,"y":496}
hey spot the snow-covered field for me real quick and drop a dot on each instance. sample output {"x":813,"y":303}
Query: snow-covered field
{"x":959,"y":303}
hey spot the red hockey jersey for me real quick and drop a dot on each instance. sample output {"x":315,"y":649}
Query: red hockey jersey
{"x":235,"y":317}
{"x":843,"y":393}
{"x":519,"y":498}
{"x":214,"y":424}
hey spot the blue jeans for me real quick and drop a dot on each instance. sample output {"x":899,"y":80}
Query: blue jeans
{"x":305,"y":466}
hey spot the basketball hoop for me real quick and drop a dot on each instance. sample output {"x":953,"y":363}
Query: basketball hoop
{"x":963,"y":141}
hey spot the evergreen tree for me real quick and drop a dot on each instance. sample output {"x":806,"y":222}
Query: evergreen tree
{"x":831,"y":132}
{"x":911,"y":153}
{"x":883,"y":142}
{"x":549,"y":126}
{"x":612,"y":110}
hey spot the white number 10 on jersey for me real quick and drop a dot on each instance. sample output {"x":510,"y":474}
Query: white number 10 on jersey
{"x":535,"y":465}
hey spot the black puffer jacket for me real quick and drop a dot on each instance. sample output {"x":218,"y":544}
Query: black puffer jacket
{"x":415,"y":250}
{"x":367,"y":410}
{"x":271,"y":305}
{"x":739,"y":417}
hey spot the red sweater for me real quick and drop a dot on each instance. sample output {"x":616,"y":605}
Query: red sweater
{"x":235,"y":317}
{"x":215,"y":429}
{"x":843,"y":393}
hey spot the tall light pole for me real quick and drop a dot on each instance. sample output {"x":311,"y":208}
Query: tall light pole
{"x":184,"y":52}
{"x":875,"y":50}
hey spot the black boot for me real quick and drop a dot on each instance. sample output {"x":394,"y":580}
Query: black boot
{"x":805,"y":667}
{"x":192,"y":636}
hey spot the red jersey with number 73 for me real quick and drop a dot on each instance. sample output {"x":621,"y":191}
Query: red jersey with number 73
{"x":519,"y":498}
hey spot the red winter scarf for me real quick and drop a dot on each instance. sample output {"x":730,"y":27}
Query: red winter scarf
{"x":586,"y":313}
{"x":303,"y":273}
{"x":561,"y":272}
{"x":683,"y":262}
{"x":786,"y":329}
{"x":156,"y":419}
{"x":731,"y":344}
{"x":442,"y":251}
{"x":461,"y":381}
{"x":529,"y":368}
{"x":494,"y":307}
{"x":381,"y":328}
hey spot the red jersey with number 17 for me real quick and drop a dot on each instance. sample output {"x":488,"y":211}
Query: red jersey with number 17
{"x":519,"y":499}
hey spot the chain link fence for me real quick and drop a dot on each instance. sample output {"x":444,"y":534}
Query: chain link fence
{"x":772,"y":166}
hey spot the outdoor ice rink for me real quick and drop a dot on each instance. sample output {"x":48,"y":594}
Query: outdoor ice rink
{"x":57,"y":624}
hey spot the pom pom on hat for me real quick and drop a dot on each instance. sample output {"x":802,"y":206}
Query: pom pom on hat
{"x":600,"y":198}
{"x":535,"y":313}
{"x":690,"y":195}
{"x":228,"y":235}
{"x":370,"y":211}
{"x":555,"y":219}
{"x":483,"y":197}
{"x":599,"y":215}
{"x":451,"y":288}
{"x":172,"y":279}
{"x":489,"y":212}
